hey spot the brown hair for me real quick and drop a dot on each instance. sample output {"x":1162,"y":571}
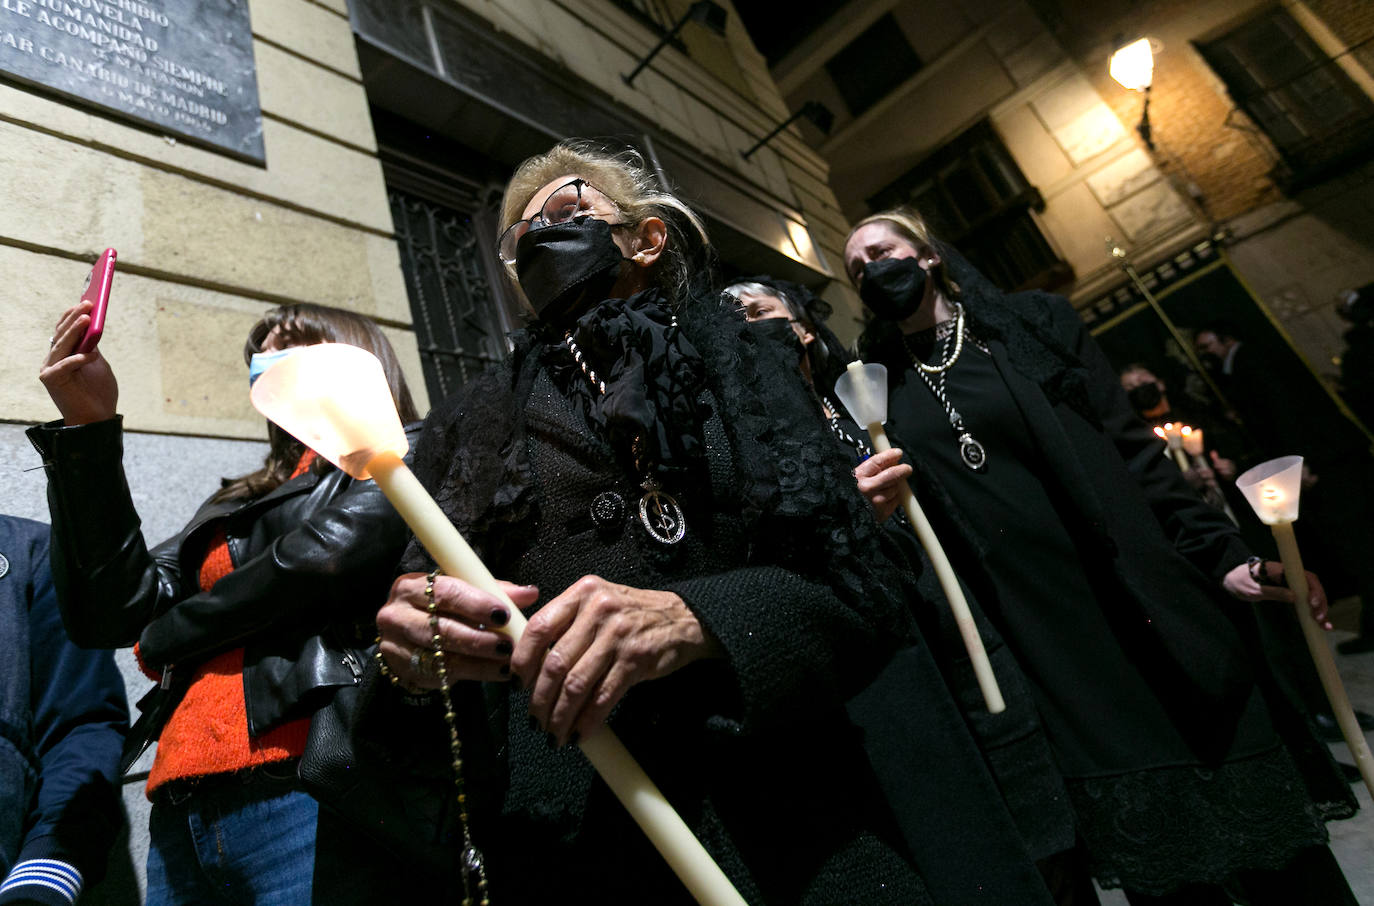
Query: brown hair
{"x":306,"y":324}
{"x":633,"y":189}
{"x":908,"y":223}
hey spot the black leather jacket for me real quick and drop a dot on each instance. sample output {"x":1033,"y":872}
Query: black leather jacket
{"x":312,"y":563}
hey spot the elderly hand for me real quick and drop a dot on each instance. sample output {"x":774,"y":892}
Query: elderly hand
{"x":1240,"y":584}
{"x":1225,"y":468}
{"x":82,"y":386}
{"x":584,"y":649}
{"x":468,"y":620}
{"x":880,"y":479}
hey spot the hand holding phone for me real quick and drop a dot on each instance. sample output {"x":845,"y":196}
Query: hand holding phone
{"x":74,"y":373}
{"x":97,"y":292}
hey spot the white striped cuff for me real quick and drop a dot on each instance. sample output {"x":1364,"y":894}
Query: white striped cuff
{"x":52,"y":873}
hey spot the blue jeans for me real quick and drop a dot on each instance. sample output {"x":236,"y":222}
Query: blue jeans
{"x":231,"y":841}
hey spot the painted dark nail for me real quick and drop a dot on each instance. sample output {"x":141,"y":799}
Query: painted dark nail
{"x":500,"y":616}
{"x":504,"y":648}
{"x":574,"y":737}
{"x":504,"y":670}
{"x":534,"y":723}
{"x":550,"y":740}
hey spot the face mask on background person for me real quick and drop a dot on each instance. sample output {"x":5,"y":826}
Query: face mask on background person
{"x":893,"y":288}
{"x":779,"y":331}
{"x":261,"y":361}
{"x":1145,"y":397}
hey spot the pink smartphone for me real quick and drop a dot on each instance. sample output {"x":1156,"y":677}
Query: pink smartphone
{"x":97,"y":291}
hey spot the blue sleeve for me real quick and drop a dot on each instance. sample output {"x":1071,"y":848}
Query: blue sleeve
{"x":80,"y":717}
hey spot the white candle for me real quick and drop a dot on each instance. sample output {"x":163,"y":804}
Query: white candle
{"x":642,"y":799}
{"x":1192,"y":441}
{"x":949,"y":583}
{"x":1321,"y":654}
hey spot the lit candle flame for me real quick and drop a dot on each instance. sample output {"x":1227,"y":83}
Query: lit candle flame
{"x":1159,"y":432}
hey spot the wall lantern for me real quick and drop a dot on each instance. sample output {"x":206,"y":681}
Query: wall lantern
{"x":711,"y":15}
{"x":819,"y":115}
{"x":1133,"y":66}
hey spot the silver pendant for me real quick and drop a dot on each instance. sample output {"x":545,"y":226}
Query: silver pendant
{"x":660,"y":514}
{"x":972,"y":452}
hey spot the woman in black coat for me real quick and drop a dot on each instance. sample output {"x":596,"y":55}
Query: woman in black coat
{"x":253,"y":616}
{"x":1102,"y":571}
{"x":720,"y":632}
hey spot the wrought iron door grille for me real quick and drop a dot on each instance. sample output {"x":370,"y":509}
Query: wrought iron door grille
{"x":458,"y":322}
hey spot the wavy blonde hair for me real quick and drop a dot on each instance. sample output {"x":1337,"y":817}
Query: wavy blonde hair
{"x":908,"y":223}
{"x":625,"y":180}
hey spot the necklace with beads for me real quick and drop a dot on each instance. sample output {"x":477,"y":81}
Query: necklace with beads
{"x":971,"y":452}
{"x":659,"y":512}
{"x":858,"y":443}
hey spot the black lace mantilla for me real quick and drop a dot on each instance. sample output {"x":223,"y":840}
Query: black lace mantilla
{"x":1249,"y":813}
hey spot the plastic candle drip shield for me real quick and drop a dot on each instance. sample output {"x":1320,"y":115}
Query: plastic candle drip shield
{"x":1272,"y":489}
{"x":335,"y":399}
{"x":863,"y":391}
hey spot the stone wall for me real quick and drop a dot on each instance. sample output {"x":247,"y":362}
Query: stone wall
{"x":206,"y":243}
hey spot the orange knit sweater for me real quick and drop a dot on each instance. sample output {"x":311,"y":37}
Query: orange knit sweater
{"x":208,"y":731}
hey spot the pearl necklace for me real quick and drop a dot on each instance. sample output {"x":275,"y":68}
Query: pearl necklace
{"x":971,"y":452}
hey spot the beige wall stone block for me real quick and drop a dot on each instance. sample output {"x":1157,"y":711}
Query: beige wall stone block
{"x":338,"y":6}
{"x":1037,"y":153}
{"x":1078,"y":119}
{"x":242,"y":242}
{"x":176,"y":350}
{"x":1153,"y":210}
{"x":64,"y":196}
{"x":332,"y":104}
{"x":1124,"y":176}
{"x":1095,"y":131}
{"x":302,"y":170}
{"x":1059,"y":105}
{"x":307,"y":29}
{"x":706,"y":123}
{"x":1078,"y":225}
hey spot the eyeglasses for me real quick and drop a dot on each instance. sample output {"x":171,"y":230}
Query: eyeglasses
{"x":578,"y":198}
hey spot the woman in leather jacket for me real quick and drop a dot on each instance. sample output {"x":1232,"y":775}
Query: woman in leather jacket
{"x":251,"y":617}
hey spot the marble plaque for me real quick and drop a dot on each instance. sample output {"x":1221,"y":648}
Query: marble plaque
{"x":183,"y":67}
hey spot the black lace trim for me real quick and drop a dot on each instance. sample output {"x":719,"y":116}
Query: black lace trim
{"x":1155,"y":831}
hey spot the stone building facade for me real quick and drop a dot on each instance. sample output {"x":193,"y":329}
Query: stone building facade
{"x":1033,"y":75}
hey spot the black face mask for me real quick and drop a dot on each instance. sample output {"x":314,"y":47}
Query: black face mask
{"x":780,"y":332}
{"x":566,"y":266}
{"x":1145,"y":397}
{"x":893,"y":288}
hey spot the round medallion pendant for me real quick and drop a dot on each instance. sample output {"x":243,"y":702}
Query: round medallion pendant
{"x":662,"y":517}
{"x":972,"y":452}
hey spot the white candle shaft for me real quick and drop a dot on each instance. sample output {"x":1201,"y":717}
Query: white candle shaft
{"x":644,"y":801}
{"x":1321,"y":654}
{"x":1179,"y":457}
{"x":949,"y":582}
